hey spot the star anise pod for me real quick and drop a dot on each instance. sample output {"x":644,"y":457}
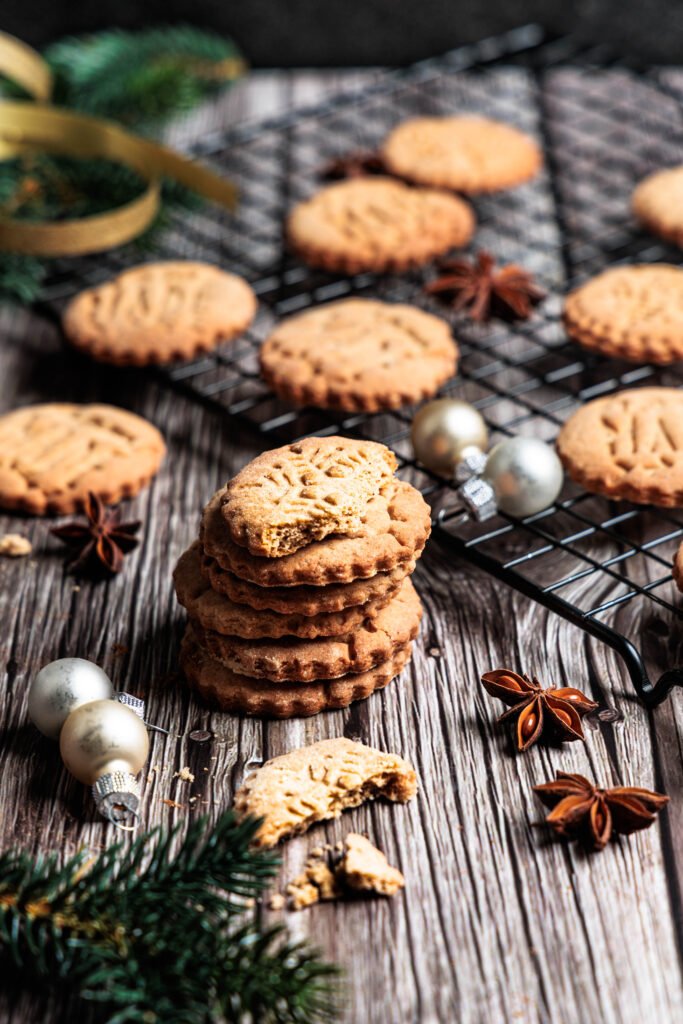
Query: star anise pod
{"x":481,"y":290}
{"x":582,"y":811}
{"x":538,"y":710}
{"x":101,"y":542}
{"x":357,"y":164}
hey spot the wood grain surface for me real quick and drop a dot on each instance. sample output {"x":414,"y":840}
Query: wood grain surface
{"x":498,"y":922}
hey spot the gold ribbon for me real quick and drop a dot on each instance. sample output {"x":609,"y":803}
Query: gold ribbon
{"x":27,"y":127}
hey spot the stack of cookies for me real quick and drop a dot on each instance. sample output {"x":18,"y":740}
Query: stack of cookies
{"x":298,"y":590}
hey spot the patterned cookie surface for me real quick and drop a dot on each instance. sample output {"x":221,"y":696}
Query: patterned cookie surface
{"x":306,"y":600}
{"x":468,"y":154}
{"x":394,"y":530}
{"x":301,"y":660}
{"x":359,"y":355}
{"x":633,"y":313}
{"x":658,"y":204}
{"x":377,"y":224}
{"x":318,"y":782}
{"x":159,"y":312}
{"x":218,"y":613}
{"x":628,"y":445}
{"x":52,"y":455}
{"x":291,"y":496}
{"x":219,"y":687}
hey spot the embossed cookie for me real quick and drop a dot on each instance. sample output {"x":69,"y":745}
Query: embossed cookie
{"x":215,"y":612}
{"x":52,"y":455}
{"x":301,"y":660}
{"x":318,"y":782}
{"x":466,"y":153}
{"x":291,"y":496}
{"x":628,"y":445}
{"x":657,"y":202}
{"x":377,"y":224}
{"x":359,"y":355}
{"x":678,"y":568}
{"x":394,"y":530}
{"x":633,"y":313}
{"x":224,"y":689}
{"x":159,"y":312}
{"x":307,"y":600}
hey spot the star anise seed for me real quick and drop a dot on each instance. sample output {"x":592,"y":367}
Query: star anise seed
{"x":102,"y":542}
{"x":538,"y":710}
{"x":581,"y":810}
{"x":357,"y":164}
{"x":481,"y":290}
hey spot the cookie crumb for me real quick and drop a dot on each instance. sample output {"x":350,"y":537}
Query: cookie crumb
{"x":172,"y":803}
{"x":277,"y":901}
{"x":13,"y":545}
{"x":185,"y":775}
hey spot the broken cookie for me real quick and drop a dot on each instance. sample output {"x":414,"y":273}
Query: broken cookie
{"x":331,"y":874}
{"x":315,"y":783}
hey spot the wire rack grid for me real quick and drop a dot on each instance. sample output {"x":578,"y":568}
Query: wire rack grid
{"x":603,"y":124}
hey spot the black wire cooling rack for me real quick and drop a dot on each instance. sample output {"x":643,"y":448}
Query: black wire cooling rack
{"x":603,"y":124}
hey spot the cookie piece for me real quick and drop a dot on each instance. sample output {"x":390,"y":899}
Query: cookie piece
{"x":628,"y":445}
{"x":394,"y":530}
{"x":219,"y":614}
{"x":633,"y":313}
{"x":359,"y":355}
{"x":228,"y":691}
{"x":657,"y":202}
{"x":318,"y":782}
{"x":52,"y":455}
{"x":307,"y":600}
{"x":291,"y":496}
{"x":377,"y":224}
{"x":293,"y":659}
{"x":366,"y":869}
{"x":159,"y":312}
{"x":466,"y":153}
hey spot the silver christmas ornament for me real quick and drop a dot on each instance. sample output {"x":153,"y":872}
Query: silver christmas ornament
{"x":448,"y":432}
{"x":522,"y":476}
{"x":105,"y":744}
{"x":61,"y":687}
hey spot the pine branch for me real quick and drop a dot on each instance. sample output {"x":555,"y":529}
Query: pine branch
{"x":157,"y":936}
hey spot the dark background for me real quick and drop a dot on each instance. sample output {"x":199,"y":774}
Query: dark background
{"x":319,"y":33}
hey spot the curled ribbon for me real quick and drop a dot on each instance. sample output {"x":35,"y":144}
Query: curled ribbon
{"x":28,"y":127}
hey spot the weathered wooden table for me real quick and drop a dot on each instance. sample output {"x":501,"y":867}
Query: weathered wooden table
{"x":498,"y":922}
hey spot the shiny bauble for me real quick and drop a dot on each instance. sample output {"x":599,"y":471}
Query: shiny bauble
{"x":101,"y":738}
{"x":525,"y":474}
{"x":60,"y":688}
{"x":442,"y":432}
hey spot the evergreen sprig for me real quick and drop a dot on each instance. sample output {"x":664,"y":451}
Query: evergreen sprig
{"x":157,"y":936}
{"x":140,"y":79}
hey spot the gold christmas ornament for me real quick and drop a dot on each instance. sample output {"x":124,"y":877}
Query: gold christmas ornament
{"x":105,"y":744}
{"x":445,"y":431}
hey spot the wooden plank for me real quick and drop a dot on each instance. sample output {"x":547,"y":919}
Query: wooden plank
{"x":497,"y":922}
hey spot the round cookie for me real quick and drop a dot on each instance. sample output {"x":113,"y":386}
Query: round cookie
{"x":159,"y":312}
{"x":394,"y":530}
{"x":221,"y":615}
{"x":293,"y":659}
{"x":657,"y":202}
{"x":633,"y":313}
{"x":677,"y":570}
{"x":466,"y":153}
{"x":53,"y":455}
{"x":290,"y":496}
{"x":377,"y":224}
{"x":228,"y":691}
{"x":628,"y":445}
{"x":307,"y":600}
{"x":359,"y":355}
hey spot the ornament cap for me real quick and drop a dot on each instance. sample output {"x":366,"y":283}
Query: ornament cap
{"x":472,"y":463}
{"x":117,"y":797}
{"x":135,"y":704}
{"x":479,"y":498}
